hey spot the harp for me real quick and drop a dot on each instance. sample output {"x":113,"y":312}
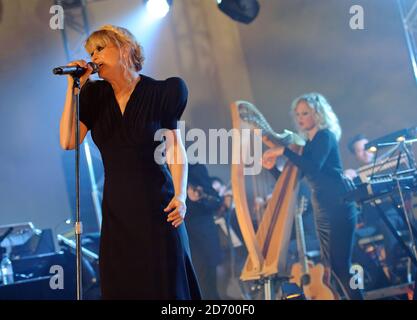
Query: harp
{"x":267,"y":246}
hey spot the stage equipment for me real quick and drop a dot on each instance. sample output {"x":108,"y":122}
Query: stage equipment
{"x":392,"y":183}
{"x":244,"y":11}
{"x":158,"y":8}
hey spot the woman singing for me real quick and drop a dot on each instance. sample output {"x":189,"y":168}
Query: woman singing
{"x":144,"y":251}
{"x":321,"y":165}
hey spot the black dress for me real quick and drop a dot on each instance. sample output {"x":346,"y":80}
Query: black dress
{"x":142,"y":256}
{"x":335,"y":219}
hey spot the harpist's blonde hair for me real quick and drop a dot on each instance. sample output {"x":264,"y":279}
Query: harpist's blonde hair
{"x":325,"y":116}
{"x":123,"y":39}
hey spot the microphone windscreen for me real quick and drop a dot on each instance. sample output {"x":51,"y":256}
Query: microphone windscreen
{"x":57,"y":70}
{"x":94,"y":66}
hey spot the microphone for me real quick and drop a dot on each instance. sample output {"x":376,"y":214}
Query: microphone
{"x":75,"y":71}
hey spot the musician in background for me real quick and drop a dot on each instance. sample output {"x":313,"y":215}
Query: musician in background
{"x":225,"y":214}
{"x":356,"y":146}
{"x":202,"y":203}
{"x":223,"y":192}
{"x":321,"y":165}
{"x":231,"y":241}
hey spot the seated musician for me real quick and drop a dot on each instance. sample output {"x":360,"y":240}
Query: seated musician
{"x":202,"y":203}
{"x":321,"y":165}
{"x":356,"y":146}
{"x":226,"y":212}
{"x":363,"y":157}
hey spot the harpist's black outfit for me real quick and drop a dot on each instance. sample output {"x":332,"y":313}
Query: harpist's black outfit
{"x":335,"y":220}
{"x":142,"y":256}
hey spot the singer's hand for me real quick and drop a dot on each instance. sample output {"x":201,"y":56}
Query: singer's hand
{"x":84,"y":77}
{"x":177,"y":210}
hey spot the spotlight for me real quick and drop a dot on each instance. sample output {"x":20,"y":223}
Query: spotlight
{"x":244,"y":11}
{"x":158,"y":9}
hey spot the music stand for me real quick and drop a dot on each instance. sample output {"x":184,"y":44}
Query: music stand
{"x":401,"y":146}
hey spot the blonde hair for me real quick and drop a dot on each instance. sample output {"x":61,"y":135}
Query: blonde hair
{"x":122,"y":38}
{"x":325,"y":116}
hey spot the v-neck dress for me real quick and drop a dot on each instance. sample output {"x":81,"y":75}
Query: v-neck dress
{"x":142,"y":256}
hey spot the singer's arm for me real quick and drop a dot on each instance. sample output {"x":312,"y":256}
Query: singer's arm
{"x":67,"y":123}
{"x":177,"y":163}
{"x":178,"y":166}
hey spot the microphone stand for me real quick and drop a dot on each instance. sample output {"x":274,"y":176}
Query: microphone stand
{"x":78,"y":223}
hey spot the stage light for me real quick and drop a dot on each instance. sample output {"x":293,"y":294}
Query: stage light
{"x":157,"y":9}
{"x":244,"y":11}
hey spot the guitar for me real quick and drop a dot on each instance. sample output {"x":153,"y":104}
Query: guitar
{"x":304,"y":273}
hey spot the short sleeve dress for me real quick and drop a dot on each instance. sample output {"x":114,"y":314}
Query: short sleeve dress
{"x":142,"y":256}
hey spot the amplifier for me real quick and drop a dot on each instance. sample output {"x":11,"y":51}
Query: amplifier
{"x":33,"y":278}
